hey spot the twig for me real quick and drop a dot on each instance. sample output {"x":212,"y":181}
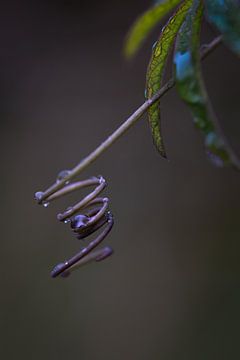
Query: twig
{"x":43,"y":196}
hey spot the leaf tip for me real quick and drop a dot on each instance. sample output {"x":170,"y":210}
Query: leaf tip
{"x":160,"y":149}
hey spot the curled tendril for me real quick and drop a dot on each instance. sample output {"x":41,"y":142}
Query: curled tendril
{"x":94,"y":215}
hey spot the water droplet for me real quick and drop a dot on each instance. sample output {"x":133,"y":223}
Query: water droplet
{"x":101,"y":180}
{"x":66,"y":221}
{"x":145,"y":93}
{"x":154,"y":45}
{"x":63,"y":174}
{"x":38,"y":195}
{"x":79,"y":221}
{"x":45,"y":204}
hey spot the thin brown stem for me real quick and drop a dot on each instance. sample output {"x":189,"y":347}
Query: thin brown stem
{"x":206,"y":50}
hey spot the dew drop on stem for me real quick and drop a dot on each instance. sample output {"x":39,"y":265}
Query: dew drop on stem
{"x":62,"y":175}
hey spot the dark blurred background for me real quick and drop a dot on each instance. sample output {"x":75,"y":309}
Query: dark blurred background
{"x":172,"y":289}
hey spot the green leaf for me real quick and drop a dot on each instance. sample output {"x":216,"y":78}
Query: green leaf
{"x":144,"y":24}
{"x":156,"y":68}
{"x":191,"y":88}
{"x":225,"y":16}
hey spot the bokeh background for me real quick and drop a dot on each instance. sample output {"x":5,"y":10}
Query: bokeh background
{"x":172,"y":289}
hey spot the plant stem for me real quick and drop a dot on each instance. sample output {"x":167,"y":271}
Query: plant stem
{"x":206,"y":50}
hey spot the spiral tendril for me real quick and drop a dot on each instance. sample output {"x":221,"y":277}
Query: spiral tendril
{"x":85,"y":217}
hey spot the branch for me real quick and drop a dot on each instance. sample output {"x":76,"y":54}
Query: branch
{"x":43,"y":196}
